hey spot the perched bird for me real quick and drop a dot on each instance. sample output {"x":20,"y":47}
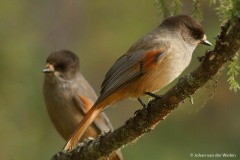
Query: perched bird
{"x":68,"y":97}
{"x":150,"y":64}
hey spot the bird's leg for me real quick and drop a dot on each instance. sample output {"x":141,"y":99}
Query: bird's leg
{"x":142,"y":103}
{"x":153,"y":95}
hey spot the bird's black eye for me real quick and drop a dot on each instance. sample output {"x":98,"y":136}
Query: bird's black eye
{"x":60,"y":67}
{"x":197,"y":35}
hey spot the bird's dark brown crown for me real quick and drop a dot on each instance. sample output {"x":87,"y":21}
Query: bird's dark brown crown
{"x":63,"y":61}
{"x":185,"y":21}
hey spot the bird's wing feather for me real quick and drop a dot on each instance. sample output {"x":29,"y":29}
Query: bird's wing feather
{"x":130,"y":67}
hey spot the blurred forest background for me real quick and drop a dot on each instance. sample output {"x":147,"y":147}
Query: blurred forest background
{"x":100,"y":32}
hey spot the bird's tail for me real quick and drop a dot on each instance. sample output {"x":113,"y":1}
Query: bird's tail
{"x":82,"y":127}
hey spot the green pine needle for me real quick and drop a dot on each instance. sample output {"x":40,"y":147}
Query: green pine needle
{"x":162,"y":8}
{"x":197,"y":12}
{"x":233,"y":72}
{"x":176,"y":6}
{"x":168,"y":8}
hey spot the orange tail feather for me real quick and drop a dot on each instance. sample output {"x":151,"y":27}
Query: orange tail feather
{"x":82,"y":127}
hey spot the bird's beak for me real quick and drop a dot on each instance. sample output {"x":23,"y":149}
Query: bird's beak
{"x":205,"y":41}
{"x":48,"y":69}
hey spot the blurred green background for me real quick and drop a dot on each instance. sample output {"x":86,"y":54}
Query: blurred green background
{"x":100,"y":32}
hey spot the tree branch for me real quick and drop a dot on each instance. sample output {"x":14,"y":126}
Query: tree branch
{"x":227,"y":44}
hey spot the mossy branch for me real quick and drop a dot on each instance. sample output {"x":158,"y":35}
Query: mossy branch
{"x":227,"y":45}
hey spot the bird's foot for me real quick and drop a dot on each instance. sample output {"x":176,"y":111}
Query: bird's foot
{"x":142,"y":103}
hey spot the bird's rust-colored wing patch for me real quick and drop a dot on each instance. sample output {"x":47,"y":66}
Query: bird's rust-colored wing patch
{"x":152,"y":57}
